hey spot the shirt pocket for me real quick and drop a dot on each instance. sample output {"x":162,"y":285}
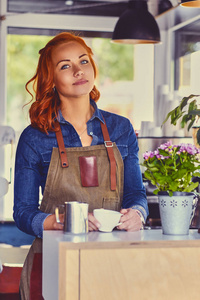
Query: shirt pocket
{"x":46,"y":158}
{"x":123,"y":149}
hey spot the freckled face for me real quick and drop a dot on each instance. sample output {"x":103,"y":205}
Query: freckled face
{"x":73,"y":71}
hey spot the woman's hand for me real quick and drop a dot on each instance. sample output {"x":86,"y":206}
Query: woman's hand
{"x":51,"y":224}
{"x":93,"y":224}
{"x":130,"y":220}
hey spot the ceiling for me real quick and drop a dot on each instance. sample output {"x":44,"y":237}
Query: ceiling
{"x":98,"y":8}
{"x":78,"y":7}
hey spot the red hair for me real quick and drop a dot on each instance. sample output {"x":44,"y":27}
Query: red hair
{"x":44,"y":110}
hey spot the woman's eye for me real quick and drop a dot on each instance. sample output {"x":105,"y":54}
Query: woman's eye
{"x":85,"y":61}
{"x":64,"y":67}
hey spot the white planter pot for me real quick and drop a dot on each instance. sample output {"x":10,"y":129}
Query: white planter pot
{"x":176,"y":212}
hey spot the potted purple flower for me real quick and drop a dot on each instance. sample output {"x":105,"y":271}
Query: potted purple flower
{"x":171,"y":169}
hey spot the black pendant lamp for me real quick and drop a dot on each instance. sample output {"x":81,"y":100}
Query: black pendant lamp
{"x":190,"y":3}
{"x":136,"y":25}
{"x":164,"y":5}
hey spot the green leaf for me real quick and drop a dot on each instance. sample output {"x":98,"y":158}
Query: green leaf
{"x":153,"y":169}
{"x":155,"y":192}
{"x":179,"y":174}
{"x":184,"y":102}
{"x":185,"y":117}
{"x":147,"y":175}
{"x":177,"y":115}
{"x":174,"y":185}
{"x":192,"y":106}
{"x":191,"y":124}
{"x":163,"y":152}
{"x":192,"y":187}
{"x":167,"y":117}
{"x":151,"y":164}
{"x":196,"y":174}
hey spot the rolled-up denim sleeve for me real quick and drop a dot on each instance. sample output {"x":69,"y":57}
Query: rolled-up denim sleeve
{"x":27,"y":215}
{"x":134,"y":190}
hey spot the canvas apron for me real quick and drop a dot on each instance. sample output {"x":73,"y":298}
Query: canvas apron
{"x":101,"y":186}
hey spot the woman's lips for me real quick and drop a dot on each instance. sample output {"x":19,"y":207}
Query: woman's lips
{"x":79,"y":82}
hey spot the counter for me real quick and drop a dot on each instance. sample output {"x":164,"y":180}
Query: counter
{"x":121,"y":265}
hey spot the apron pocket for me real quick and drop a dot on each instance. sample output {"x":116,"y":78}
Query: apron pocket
{"x":88,"y":170}
{"x":111,"y":203}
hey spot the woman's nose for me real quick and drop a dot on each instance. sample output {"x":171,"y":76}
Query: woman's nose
{"x":78,"y":72}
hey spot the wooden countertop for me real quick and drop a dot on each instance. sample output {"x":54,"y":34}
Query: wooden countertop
{"x":152,"y":240}
{"x":141,"y":237}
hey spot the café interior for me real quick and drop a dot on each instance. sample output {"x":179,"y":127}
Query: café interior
{"x":164,"y":69}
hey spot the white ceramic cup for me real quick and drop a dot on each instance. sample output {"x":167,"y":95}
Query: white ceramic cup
{"x":107,"y":218}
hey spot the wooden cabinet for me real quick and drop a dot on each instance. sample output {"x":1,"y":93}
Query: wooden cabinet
{"x":144,"y":265}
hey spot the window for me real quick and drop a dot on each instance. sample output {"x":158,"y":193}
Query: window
{"x":187,"y":59}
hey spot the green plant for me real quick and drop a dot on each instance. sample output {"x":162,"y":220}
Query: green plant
{"x":171,"y":167}
{"x":187,"y":111}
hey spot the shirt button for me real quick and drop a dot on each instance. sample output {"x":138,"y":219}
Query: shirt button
{"x":91,"y":133}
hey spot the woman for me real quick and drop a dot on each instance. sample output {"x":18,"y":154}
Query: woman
{"x":68,"y":140}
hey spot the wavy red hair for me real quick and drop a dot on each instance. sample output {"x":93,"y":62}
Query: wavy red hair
{"x":44,"y":110}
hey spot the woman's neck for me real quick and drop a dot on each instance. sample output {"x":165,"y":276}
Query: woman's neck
{"x":77,"y":112}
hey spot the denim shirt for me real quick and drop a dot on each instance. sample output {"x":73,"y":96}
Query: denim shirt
{"x":34,"y":154}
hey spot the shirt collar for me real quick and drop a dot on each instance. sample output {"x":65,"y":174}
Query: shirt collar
{"x":97,"y":114}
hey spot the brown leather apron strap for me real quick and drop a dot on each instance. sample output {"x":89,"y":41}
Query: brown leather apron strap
{"x":109,"y":148}
{"x":61,"y":147}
